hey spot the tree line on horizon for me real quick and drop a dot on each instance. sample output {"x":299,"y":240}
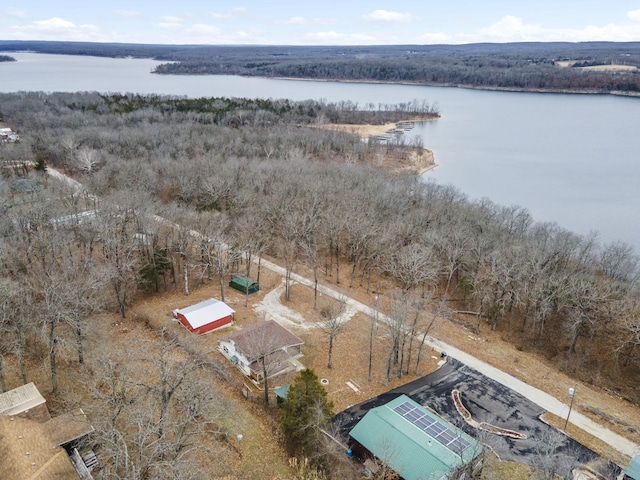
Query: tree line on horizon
{"x":518,"y":66}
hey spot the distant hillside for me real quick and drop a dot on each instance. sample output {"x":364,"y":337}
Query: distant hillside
{"x":552,"y":67}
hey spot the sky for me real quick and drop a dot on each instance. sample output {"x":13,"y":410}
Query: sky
{"x":320,"y":22}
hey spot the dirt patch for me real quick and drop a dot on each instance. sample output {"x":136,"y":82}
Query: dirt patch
{"x":348,"y":382}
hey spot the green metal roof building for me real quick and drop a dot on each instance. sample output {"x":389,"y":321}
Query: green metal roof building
{"x":633,"y":470}
{"x":415,"y":442}
{"x":244,"y":284}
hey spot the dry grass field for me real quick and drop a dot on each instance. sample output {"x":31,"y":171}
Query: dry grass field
{"x":600,"y":68}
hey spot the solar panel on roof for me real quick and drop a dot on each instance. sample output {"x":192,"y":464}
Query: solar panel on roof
{"x":403,"y":408}
{"x":432,"y":427}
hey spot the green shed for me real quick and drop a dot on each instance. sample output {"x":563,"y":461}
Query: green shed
{"x":244,"y":284}
{"x":281,"y":394}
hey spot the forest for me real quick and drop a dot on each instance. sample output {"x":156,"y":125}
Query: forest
{"x":510,"y":66}
{"x":260,"y":178}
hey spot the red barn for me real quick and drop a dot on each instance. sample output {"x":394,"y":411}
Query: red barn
{"x":205,"y":316}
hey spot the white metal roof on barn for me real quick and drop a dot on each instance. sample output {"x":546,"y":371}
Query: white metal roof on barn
{"x":206,"y":312}
{"x":20,"y":399}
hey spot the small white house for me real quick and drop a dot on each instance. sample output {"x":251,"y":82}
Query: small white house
{"x":266,"y":346}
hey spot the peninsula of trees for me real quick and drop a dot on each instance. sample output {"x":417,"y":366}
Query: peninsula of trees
{"x":589,"y":67}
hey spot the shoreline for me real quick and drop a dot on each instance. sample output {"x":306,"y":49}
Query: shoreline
{"x":565,"y":91}
{"x":421,"y":170}
{"x":619,"y":93}
{"x":417,"y":163}
{"x":367,"y":130}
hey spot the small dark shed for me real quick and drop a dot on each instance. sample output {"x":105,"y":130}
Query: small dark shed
{"x":244,"y":284}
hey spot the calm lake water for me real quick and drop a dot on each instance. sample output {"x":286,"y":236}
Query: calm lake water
{"x":570,"y":159}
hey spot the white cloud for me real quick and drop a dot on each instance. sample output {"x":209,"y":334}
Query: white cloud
{"x":230,"y":14}
{"x":634,"y":15}
{"x":55,"y":28}
{"x":13,"y":12}
{"x":127,"y":13}
{"x":168,"y":25}
{"x":55,"y":23}
{"x":607,"y":33}
{"x":211,"y":35}
{"x":296,"y":21}
{"x":434,"y":38}
{"x":247,"y":36}
{"x":389,"y":17}
{"x":309,"y":21}
{"x":170,"y":19}
{"x":513,"y":29}
{"x":510,"y":28}
{"x":334,"y":38}
{"x":203,"y":29}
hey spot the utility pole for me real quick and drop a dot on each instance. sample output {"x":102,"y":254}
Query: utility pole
{"x":572,"y":392}
{"x":374,"y":324}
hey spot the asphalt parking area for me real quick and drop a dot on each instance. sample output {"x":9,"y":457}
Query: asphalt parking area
{"x":487,"y":401}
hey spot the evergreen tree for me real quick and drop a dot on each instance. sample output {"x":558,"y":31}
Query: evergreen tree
{"x":305,"y":411}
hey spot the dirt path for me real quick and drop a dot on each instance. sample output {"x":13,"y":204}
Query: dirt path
{"x":271,"y":306}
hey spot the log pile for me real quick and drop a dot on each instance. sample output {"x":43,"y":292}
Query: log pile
{"x":487,"y":427}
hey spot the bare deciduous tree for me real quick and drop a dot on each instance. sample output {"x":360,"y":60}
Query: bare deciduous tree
{"x":333,"y":322}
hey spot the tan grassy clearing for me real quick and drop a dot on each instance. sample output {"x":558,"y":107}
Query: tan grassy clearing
{"x":496,"y":469}
{"x":611,"y":68}
{"x":602,"y":68}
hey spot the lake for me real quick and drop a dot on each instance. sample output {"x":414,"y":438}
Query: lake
{"x":570,"y":159}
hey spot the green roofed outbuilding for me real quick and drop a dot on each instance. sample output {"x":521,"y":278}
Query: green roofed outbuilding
{"x":633,"y":470}
{"x":415,"y":442}
{"x":281,"y":393}
{"x":244,"y":284}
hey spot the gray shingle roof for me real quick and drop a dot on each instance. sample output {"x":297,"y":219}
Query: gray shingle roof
{"x":263,"y":339}
{"x":20,"y":399}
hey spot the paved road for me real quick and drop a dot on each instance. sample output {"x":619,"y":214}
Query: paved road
{"x":540,"y":398}
{"x":537,"y":396}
